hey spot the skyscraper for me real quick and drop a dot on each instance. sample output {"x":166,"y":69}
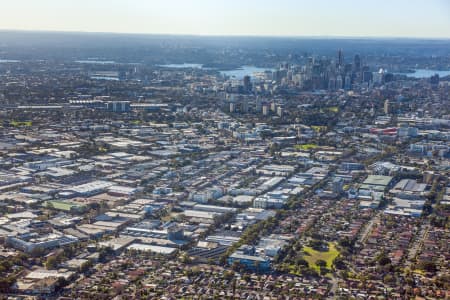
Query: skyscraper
{"x":339,"y":82}
{"x":232,"y":107}
{"x":387,"y":107}
{"x":258,"y":104}
{"x":340,"y":58}
{"x":332,"y":84}
{"x":347,"y":82}
{"x":357,"y":63}
{"x":247,"y":83}
{"x":280,"y":111}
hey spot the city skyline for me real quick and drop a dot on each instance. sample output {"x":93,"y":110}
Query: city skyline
{"x":348,"y":18}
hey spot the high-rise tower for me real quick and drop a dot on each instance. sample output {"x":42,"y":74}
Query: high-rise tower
{"x":340,"y":58}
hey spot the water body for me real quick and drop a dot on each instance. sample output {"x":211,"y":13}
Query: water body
{"x":182,"y":66}
{"x":105,"y":78}
{"x":425,"y":73}
{"x":244,"y":71}
{"x":99,"y":62}
{"x":235,"y":73}
{"x":9,"y":61}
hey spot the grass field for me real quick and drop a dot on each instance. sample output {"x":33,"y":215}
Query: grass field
{"x":334,"y":109}
{"x":315,"y":255}
{"x":319,"y":128}
{"x":305,"y":147}
{"x":18,"y":124}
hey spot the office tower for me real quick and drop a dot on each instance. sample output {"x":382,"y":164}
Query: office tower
{"x":434,"y":79}
{"x":388,"y":77}
{"x":347,"y":82}
{"x":387,"y":107}
{"x":265,"y":110}
{"x":348,"y":68}
{"x":232,"y":107}
{"x":364,"y":74}
{"x":273,"y":106}
{"x":247,"y":84}
{"x":357,"y":63}
{"x":339,"y":82}
{"x":377,"y":77}
{"x":258,"y":104}
{"x":289,"y":75}
{"x":284,"y":66}
{"x":367,"y":76}
{"x":340,"y":58}
{"x":280,"y":111}
{"x":276,"y":75}
{"x":332,"y":84}
{"x":244,"y":106}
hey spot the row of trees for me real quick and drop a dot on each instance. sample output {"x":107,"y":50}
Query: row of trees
{"x":251,"y":235}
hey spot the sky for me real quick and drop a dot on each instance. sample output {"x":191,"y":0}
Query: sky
{"x":361,"y":18}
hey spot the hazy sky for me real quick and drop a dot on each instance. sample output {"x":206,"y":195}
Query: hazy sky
{"x":408,"y":18}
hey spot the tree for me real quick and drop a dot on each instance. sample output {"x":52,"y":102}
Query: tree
{"x":184,"y":258}
{"x":339,"y":263}
{"x":228,"y":274}
{"x":61,"y":282}
{"x":324,"y":270}
{"x":6,"y":283}
{"x":388,"y":278}
{"x":318,"y":245}
{"x":301,"y":262}
{"x":344,"y":274}
{"x":346,"y":243}
{"x":103,"y":253}
{"x":321,"y":263}
{"x":428,"y":266}
{"x":384,"y":260}
{"x":51,"y":262}
{"x":86,"y":266}
{"x":246,"y":277}
{"x":237,"y":266}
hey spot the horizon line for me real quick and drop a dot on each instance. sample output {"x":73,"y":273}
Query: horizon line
{"x":227,"y":35}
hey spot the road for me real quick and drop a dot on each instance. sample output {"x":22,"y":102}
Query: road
{"x":368,"y":229}
{"x":417,"y":242}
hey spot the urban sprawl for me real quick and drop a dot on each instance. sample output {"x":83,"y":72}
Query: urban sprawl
{"x":325,"y":179}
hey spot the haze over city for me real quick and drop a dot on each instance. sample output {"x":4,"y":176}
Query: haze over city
{"x":382,"y":18}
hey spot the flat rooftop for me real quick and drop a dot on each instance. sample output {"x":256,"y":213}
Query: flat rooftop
{"x":152,"y":248}
{"x":378,"y":180}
